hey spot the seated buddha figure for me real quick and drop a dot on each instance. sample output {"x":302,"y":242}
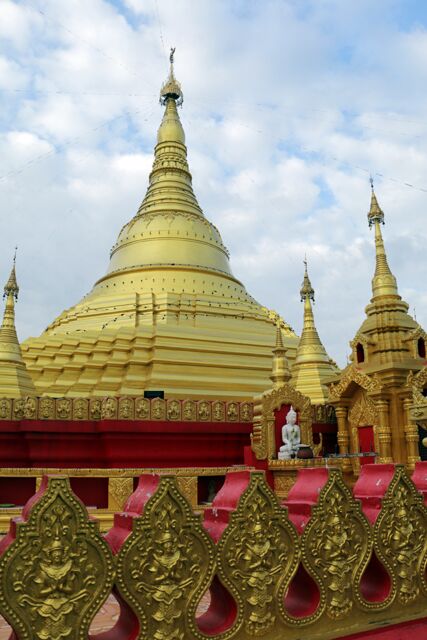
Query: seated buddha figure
{"x":291,"y":437}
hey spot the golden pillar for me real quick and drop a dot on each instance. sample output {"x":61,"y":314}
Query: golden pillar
{"x":384,"y":431}
{"x":411,"y":434}
{"x":343,"y":435}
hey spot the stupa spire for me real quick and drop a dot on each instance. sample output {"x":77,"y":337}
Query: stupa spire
{"x":15,"y":380}
{"x":312,"y":365}
{"x":281,"y":373}
{"x":383,"y":283}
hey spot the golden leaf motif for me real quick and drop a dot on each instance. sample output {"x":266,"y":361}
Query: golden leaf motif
{"x":400,"y":536}
{"x":166,"y":565}
{"x":337,"y":545}
{"x":58,"y":572}
{"x":258,"y":555}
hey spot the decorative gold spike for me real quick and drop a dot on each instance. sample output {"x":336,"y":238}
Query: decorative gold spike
{"x":281,"y":373}
{"x":383,"y":282}
{"x":171,"y":89}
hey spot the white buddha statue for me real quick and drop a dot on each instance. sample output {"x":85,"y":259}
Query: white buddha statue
{"x":291,"y":436}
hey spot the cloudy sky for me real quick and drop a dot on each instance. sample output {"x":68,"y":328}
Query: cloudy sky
{"x":289,"y":105}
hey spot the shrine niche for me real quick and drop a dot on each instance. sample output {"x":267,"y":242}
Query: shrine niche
{"x":270,"y":411}
{"x":363,"y":420}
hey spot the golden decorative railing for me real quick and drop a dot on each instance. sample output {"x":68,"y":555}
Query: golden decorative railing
{"x":323,"y":571}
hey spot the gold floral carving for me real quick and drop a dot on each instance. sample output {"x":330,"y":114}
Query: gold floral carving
{"x":142,"y":408}
{"x":5,"y":409}
{"x":258,"y":555}
{"x":119,"y":490}
{"x":30,"y":408}
{"x":188,"y":487}
{"x":245,"y":412}
{"x":58,"y":572}
{"x":263,"y":433}
{"x":283,"y":482}
{"x":46,"y":408}
{"x":336,"y":546}
{"x":126,"y":409}
{"x":166,"y":565}
{"x":109,"y":408}
{"x":189,"y":410}
{"x":353,"y":375}
{"x":173,"y":410}
{"x":95,"y":409}
{"x":63,"y":408}
{"x":80,"y":409}
{"x":218,"y":411}
{"x":204,"y":410}
{"x":18,"y":408}
{"x":232,"y":411}
{"x":158,"y":409}
{"x":400,"y":536}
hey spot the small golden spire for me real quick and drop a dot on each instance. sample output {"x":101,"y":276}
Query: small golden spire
{"x":383,"y":283}
{"x":15,"y":380}
{"x":171,"y":89}
{"x":281,"y":374}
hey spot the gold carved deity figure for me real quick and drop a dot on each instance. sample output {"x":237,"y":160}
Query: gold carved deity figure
{"x":142,"y":408}
{"x":4,"y":408}
{"x":95,"y":410}
{"x":203,"y":410}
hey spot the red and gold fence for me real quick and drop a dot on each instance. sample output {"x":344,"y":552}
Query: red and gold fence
{"x":326,"y":566}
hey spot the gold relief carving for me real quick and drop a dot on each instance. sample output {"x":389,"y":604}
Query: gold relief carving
{"x":46,"y":408}
{"x":352,"y":374}
{"x":126,"y":409}
{"x":336,"y":546}
{"x":283,"y":482}
{"x":173,"y":409}
{"x":258,"y":555}
{"x":109,"y":408}
{"x":188,"y":487}
{"x":18,"y":408}
{"x":158,"y":409}
{"x":95,"y":409}
{"x":232,"y":411}
{"x":204,"y":410}
{"x":400,"y":536}
{"x":189,"y":410}
{"x":119,"y":490}
{"x":30,"y":408}
{"x":63,"y":408}
{"x":166,"y":565}
{"x":142,"y":408}
{"x":80,"y":409}
{"x":218,"y":411}
{"x":59,"y":570}
{"x":245,"y":412}
{"x":5,"y":409}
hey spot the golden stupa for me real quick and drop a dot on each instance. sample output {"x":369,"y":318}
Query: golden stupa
{"x":169,"y":314}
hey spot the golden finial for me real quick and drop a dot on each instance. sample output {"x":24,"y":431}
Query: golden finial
{"x":171,"y":89}
{"x":376,"y":214}
{"x":307,"y":291}
{"x":11,"y":286}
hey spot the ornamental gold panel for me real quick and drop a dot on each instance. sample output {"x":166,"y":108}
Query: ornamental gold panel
{"x":126,"y":409}
{"x":400,"y":537}
{"x":337,"y":545}
{"x":258,"y":555}
{"x":166,"y":565}
{"x":5,"y":408}
{"x":57,"y":572}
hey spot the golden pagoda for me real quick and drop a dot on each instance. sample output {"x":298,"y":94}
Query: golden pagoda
{"x":15,"y":381}
{"x":373,"y":392}
{"x":313,"y":368}
{"x":169,"y":314}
